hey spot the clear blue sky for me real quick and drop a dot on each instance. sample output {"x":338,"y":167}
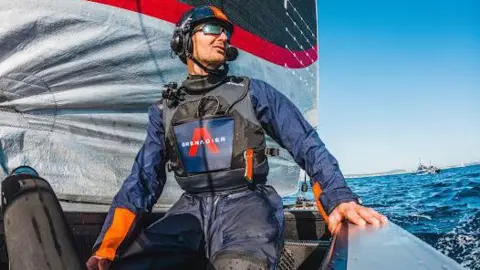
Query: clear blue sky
{"x":399,"y":80}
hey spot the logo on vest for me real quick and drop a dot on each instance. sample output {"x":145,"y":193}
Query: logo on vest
{"x":236,"y":84}
{"x":205,"y":145}
{"x":201,"y":136}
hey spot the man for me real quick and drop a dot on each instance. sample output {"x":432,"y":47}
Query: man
{"x":211,"y":131}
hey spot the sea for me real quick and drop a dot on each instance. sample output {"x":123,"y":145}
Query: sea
{"x":441,"y":209}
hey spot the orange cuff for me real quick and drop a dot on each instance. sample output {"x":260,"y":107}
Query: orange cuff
{"x":317,"y":191}
{"x":116,"y":233}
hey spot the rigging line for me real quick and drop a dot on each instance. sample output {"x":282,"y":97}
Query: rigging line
{"x":301,"y":47}
{"x":301,"y":32}
{"x":301,"y":18}
{"x":307,"y":86}
{"x":300,"y":61}
{"x":300,"y":77}
{"x":144,"y":32}
{"x":303,"y":81}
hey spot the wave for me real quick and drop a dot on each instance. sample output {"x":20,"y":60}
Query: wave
{"x":443,"y":209}
{"x":472,"y":175}
{"x":463,"y":242}
{"x":437,"y":185}
{"x":471,"y":192}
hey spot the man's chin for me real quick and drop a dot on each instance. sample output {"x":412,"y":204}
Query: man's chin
{"x":215,"y":63}
{"x":220,"y":59}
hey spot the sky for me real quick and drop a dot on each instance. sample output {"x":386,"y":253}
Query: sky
{"x":399,"y":81}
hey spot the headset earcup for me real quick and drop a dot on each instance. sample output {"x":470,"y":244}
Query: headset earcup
{"x":186,"y":43}
{"x":176,"y":43}
{"x":189,"y":44}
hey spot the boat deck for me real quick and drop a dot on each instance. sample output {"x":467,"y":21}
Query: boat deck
{"x":307,"y":239}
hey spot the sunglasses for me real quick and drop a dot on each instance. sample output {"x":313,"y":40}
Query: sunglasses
{"x":213,"y":29}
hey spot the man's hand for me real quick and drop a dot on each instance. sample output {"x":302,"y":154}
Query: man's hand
{"x":356,"y":214}
{"x":96,"y":263}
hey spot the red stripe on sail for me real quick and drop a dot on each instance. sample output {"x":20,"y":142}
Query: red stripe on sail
{"x":172,"y":10}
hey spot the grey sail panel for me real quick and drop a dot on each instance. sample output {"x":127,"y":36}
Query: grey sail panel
{"x":76,"y":80}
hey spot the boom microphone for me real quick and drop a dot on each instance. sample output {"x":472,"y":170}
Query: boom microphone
{"x":231,"y":53}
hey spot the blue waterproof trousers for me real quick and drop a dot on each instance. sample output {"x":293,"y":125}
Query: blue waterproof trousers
{"x":241,"y":228}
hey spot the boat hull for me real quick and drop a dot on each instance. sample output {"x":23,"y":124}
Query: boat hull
{"x":308,"y":245}
{"x":307,"y":238}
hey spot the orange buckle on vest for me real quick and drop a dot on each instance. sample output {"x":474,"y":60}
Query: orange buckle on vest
{"x":248,"y":155}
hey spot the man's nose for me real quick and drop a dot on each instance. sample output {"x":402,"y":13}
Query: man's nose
{"x":223,"y":35}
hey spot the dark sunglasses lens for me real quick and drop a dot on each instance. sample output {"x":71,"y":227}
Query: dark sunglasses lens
{"x":215,"y":29}
{"x":212,"y":29}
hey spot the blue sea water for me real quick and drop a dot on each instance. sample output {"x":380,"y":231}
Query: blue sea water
{"x":441,"y":209}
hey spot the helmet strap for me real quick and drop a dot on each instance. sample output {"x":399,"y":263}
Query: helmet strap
{"x":217,"y":71}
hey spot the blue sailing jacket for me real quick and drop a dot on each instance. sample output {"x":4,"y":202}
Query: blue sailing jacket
{"x":280,"y":119}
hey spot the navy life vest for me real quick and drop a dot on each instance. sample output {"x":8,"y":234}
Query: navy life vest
{"x":207,"y":134}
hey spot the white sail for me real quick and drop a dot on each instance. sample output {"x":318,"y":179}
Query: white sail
{"x":77,"y":77}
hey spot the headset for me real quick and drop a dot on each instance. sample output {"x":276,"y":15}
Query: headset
{"x":181,"y":43}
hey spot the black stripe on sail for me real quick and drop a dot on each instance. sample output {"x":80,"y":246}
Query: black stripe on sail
{"x":273,"y":20}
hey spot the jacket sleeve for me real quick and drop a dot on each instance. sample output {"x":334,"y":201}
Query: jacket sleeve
{"x":139,"y":192}
{"x":282,"y":121}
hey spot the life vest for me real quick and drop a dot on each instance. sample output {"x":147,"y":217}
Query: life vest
{"x":214,"y":140}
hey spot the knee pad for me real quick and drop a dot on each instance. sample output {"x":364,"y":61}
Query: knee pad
{"x":236,"y":260}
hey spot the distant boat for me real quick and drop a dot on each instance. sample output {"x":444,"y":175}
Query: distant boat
{"x":424,"y":169}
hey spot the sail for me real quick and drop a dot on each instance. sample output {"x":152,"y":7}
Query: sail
{"x":77,"y":78}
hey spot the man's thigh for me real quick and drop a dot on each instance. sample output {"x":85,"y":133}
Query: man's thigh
{"x":251,"y":225}
{"x":173,"y":242}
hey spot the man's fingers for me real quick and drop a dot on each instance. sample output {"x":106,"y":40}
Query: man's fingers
{"x":92,"y":263}
{"x":370,"y":216}
{"x":356,"y":214}
{"x":355,"y":218}
{"x":381,"y":217}
{"x":333,"y":221}
{"x":336,"y":229}
{"x":104,"y":264}
{"x":95,"y":263}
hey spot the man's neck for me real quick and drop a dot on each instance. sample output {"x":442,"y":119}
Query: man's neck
{"x":194,"y":69}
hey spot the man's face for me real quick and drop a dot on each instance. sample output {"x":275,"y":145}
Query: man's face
{"x":209,"y":49}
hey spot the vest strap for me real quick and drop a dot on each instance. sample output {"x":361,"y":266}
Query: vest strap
{"x":273,"y":152}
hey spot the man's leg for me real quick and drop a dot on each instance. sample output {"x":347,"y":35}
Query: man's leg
{"x":247,"y":231}
{"x":173,"y":242}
